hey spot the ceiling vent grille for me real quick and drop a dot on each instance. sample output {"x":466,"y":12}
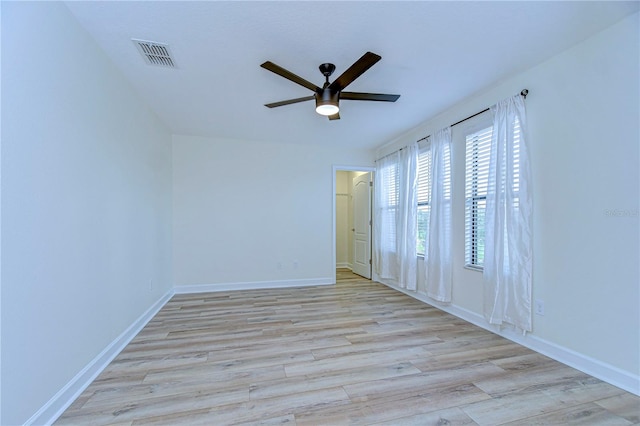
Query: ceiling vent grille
{"x":155,"y":53}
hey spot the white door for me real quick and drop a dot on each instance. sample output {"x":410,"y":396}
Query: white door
{"x":362,"y":225}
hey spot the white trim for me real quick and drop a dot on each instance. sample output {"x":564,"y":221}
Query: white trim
{"x":252,"y":285}
{"x":54,"y":408}
{"x":1,"y":230}
{"x":601,"y":370}
{"x":344,"y":265}
{"x":335,"y":169}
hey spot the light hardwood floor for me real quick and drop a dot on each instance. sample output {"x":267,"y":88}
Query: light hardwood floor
{"x":354,"y":353}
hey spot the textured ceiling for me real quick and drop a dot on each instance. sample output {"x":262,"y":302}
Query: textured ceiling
{"x":434,"y":54}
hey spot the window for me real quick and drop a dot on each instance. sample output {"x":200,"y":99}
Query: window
{"x":424,"y":194}
{"x":476,"y":185}
{"x":476,"y":182}
{"x":424,"y":199}
{"x":389,"y":178}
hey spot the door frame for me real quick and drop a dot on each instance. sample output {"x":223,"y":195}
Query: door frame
{"x":335,"y":169}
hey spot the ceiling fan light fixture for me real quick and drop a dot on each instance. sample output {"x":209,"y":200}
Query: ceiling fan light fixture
{"x":327,"y":109}
{"x":327,"y":102}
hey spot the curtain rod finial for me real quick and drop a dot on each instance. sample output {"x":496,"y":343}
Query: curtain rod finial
{"x":524,"y":93}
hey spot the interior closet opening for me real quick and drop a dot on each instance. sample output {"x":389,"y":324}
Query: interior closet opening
{"x":353,"y":222}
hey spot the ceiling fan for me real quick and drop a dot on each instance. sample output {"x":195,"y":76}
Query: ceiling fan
{"x":328,"y":96}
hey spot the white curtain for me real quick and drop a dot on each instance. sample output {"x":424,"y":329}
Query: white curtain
{"x":395,"y":217}
{"x":508,"y":242}
{"x":437,"y":260}
{"x":385,"y":202}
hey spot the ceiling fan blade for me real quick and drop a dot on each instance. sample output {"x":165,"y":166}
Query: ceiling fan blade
{"x":354,"y":71}
{"x":289,"y":101}
{"x":356,"y":96}
{"x":335,"y":116}
{"x":289,"y":76}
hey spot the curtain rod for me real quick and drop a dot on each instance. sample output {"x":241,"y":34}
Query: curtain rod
{"x":390,"y":154}
{"x":523,"y":93}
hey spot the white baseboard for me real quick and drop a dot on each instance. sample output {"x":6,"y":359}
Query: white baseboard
{"x":251,"y":285}
{"x":65,"y":396}
{"x":601,"y":370}
{"x":344,"y":265}
{"x":54,"y":408}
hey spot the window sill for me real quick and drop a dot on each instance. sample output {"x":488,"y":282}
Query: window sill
{"x":474,"y":268}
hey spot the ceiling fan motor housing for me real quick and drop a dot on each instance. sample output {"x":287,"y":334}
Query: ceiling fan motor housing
{"x":325,"y":96}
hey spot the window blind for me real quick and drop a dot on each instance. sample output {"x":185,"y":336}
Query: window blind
{"x":389,"y":178}
{"x":478,"y":149}
{"x":424,"y":198}
{"x":425,"y":172}
{"x":516,"y":156}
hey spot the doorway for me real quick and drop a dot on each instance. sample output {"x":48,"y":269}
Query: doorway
{"x":353,"y":191}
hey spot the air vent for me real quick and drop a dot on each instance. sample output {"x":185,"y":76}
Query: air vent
{"x":155,"y":53}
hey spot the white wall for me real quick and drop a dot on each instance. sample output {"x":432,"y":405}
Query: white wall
{"x":583,"y":111}
{"x":246,"y":212}
{"x":86,"y":205}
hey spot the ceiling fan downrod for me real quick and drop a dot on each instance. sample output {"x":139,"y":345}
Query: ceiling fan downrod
{"x":327,"y":69}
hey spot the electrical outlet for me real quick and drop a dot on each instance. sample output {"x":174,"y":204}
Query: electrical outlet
{"x":539,"y":307}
